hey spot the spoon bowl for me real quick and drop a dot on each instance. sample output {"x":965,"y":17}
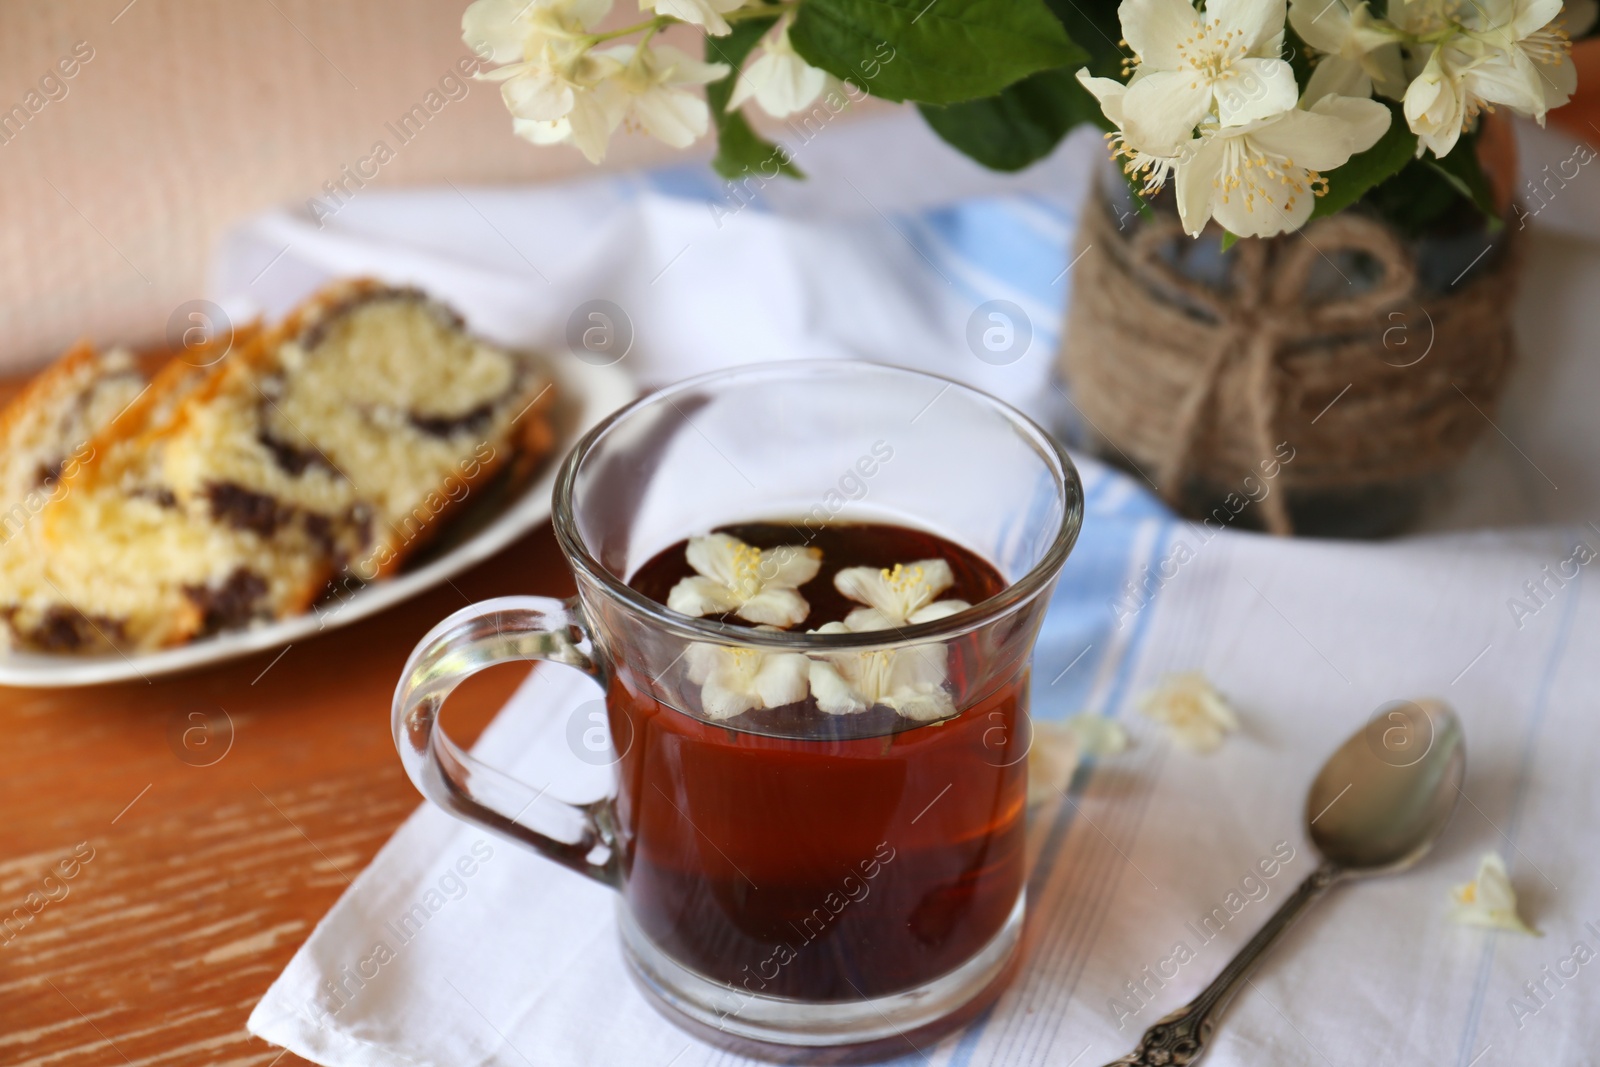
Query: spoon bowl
{"x":1386,"y":795}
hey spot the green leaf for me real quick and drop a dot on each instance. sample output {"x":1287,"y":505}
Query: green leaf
{"x":1364,"y":170}
{"x":1416,"y":199}
{"x":931,"y":51}
{"x":740,"y":150}
{"x":1229,"y":239}
{"x":1093,"y":26}
{"x":1461,"y":169}
{"x":1021,"y":125}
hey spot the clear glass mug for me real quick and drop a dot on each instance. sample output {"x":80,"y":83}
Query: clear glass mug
{"x":794,"y":878}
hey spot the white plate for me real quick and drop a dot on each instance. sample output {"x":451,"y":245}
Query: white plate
{"x":585,"y":395}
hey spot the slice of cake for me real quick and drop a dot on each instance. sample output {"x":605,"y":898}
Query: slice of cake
{"x":114,"y":562}
{"x":46,"y":428}
{"x":233,"y":491}
{"x":369,"y":411}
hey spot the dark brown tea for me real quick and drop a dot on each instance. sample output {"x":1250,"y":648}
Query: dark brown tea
{"x":793,"y":853}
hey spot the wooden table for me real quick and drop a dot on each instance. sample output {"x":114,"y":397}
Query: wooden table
{"x":222,"y":813}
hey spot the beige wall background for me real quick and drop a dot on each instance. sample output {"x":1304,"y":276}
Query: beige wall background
{"x":193,"y":113}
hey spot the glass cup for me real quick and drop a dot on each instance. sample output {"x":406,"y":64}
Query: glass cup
{"x":786,"y":875}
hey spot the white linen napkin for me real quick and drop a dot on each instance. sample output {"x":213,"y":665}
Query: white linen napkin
{"x":455,"y":947}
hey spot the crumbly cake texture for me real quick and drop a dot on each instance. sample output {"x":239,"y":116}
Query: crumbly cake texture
{"x":232,"y":492}
{"x":118,"y":562}
{"x":370,"y":410}
{"x":46,"y":429}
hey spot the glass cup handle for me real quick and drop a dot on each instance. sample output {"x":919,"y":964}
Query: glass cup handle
{"x":580,"y":836}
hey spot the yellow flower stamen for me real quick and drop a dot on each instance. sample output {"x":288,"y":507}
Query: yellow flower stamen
{"x":902,"y":579}
{"x":747,"y":569}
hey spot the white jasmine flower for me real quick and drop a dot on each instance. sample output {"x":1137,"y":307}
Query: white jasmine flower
{"x":576,"y":106}
{"x":1195,"y":714}
{"x":1257,"y":179}
{"x":898,"y":597}
{"x":1191,"y":63}
{"x":1488,"y":900}
{"x":909,"y":680}
{"x":779,"y":81}
{"x":755,"y":584}
{"x":544,"y":133}
{"x":495,"y":29}
{"x":1422,"y":18}
{"x":704,"y":13}
{"x":1436,"y":102}
{"x":555,"y":87}
{"x":560,"y":89}
{"x":1152,"y":167}
{"x":1262,"y":178}
{"x":1360,"y":52}
{"x":734,"y":680}
{"x":511,"y":31}
{"x":1529,"y":65}
{"x":1511,"y":53}
{"x":650,"y":88}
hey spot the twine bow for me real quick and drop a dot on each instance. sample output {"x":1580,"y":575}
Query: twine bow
{"x":1211,"y":381}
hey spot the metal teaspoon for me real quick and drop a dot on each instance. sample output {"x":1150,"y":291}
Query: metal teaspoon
{"x":1376,"y":807}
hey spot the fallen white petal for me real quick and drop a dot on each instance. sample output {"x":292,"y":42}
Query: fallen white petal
{"x":1097,"y":735}
{"x":1488,"y":900}
{"x":1195,"y":714}
{"x":1059,"y":746}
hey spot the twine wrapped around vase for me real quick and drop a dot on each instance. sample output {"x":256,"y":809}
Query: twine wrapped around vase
{"x":1198,"y":382}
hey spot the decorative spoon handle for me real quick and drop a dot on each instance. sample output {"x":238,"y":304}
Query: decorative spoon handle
{"x":1181,"y":1037}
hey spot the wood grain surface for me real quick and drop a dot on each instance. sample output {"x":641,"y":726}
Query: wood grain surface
{"x":166,"y":846}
